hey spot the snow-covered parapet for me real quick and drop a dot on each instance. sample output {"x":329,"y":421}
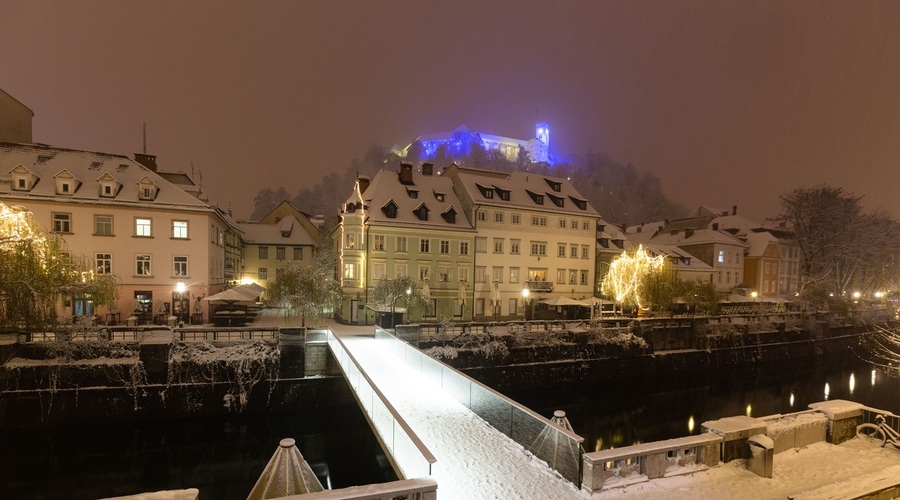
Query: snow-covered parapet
{"x":796,"y":430}
{"x":734,"y":432}
{"x":843,"y":417}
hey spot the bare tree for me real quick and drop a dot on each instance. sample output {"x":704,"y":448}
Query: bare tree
{"x":388,"y":292}
{"x":304,"y":291}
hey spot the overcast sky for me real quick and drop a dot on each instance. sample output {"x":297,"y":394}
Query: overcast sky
{"x":728,"y":102}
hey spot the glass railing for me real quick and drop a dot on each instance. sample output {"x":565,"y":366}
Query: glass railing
{"x":408,"y":454}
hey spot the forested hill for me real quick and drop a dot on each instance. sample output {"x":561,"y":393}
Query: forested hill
{"x":620,"y":193}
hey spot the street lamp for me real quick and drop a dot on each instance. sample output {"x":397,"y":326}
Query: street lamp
{"x":526,"y":294}
{"x":178,"y":306}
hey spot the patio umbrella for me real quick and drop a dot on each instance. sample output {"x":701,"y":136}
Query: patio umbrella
{"x":495,"y":294}
{"x":197,"y":308}
{"x":160,"y":307}
{"x":563,"y":301}
{"x":232,"y":296}
{"x":426,"y":291}
{"x":461,"y":294}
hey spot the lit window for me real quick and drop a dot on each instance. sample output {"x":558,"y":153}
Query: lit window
{"x":514,"y":275}
{"x":179,"y":266}
{"x":722,"y":256}
{"x":143,"y":227}
{"x":179,"y":229}
{"x":378,"y":243}
{"x":263,"y":273}
{"x":142,"y":265}
{"x":350,"y":240}
{"x":104,"y":263}
{"x":349,"y":271}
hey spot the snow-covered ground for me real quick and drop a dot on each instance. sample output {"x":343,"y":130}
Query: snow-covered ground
{"x":476,"y":461}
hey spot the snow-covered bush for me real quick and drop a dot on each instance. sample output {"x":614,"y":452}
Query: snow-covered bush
{"x":443,"y":352}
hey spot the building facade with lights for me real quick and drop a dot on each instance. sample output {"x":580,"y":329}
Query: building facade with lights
{"x":285,"y":236}
{"x":405,"y":224}
{"x":459,"y":142}
{"x":535,"y":238}
{"x":166,"y":247}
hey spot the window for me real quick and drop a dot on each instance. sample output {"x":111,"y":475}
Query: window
{"x":263,"y":273}
{"x":62,"y":223}
{"x":143,"y":227}
{"x":103,"y":224}
{"x":562,"y":223}
{"x":279,"y":253}
{"x":401,"y":243}
{"x":573,"y":251}
{"x":585,"y":250}
{"x":514,"y":246}
{"x":378,"y":271}
{"x":424,"y":245}
{"x":561,"y":276}
{"x":298,"y":253}
{"x":498,"y":217}
{"x":514,"y":275}
{"x":573,"y":277}
{"x":573,"y":224}
{"x":445,"y":247}
{"x":444,"y":274}
{"x":480,"y":244}
{"x":464,"y":248}
{"x":515,"y":218}
{"x":179,"y":266}
{"x":263,"y":253}
{"x":390,"y":210}
{"x":480,"y":274}
{"x":722,"y":256}
{"x":142,"y":265}
{"x":463,"y":273}
{"x":104,"y":263}
{"x":536,"y":274}
{"x":539,"y":248}
{"x":279,"y":272}
{"x":497,"y":274}
{"x":400,"y":270}
{"x":421,"y":212}
{"x":479,"y":307}
{"x":480,"y":216}
{"x":378,"y":243}
{"x":513,"y":305}
{"x":350,"y":240}
{"x":424,"y":273}
{"x":537,"y":220}
{"x":498,"y":245}
{"x":584,"y":277}
{"x":561,"y":250}
{"x":349,"y":271}
{"x":179,"y":229}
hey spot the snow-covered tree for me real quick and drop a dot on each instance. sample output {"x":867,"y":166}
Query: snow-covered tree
{"x":388,"y":292}
{"x":36,"y":269}
{"x":304,"y":291}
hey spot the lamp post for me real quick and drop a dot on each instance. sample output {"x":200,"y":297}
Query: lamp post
{"x":178,"y":306}
{"x":755,"y":296}
{"x":526,"y":295}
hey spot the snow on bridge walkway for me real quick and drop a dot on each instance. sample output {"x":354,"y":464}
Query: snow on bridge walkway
{"x":474,"y":460}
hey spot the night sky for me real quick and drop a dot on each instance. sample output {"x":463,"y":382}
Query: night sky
{"x":728,"y":102}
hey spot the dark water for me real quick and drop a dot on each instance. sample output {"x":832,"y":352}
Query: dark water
{"x":223,"y":457}
{"x":642,"y":410}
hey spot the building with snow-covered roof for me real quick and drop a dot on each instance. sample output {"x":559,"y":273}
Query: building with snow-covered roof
{"x":534,"y":232}
{"x":721,"y":251}
{"x":406,"y":224}
{"x":128,"y":221}
{"x":284,"y":236}
{"x":459,"y":142}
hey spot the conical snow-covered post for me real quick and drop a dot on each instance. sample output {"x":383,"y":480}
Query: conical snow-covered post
{"x":287,"y":473}
{"x":561,"y":454}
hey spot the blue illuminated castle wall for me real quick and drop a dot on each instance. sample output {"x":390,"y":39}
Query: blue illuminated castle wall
{"x":459,"y":144}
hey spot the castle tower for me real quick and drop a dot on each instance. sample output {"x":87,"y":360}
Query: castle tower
{"x":542,"y":132}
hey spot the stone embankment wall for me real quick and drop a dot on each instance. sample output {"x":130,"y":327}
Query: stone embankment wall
{"x":90,"y":381}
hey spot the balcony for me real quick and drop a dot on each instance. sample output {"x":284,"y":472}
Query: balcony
{"x":539,"y":286}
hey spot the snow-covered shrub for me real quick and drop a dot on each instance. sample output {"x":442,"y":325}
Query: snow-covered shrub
{"x":443,"y":352}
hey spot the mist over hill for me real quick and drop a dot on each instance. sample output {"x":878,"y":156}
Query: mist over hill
{"x":622,"y":194}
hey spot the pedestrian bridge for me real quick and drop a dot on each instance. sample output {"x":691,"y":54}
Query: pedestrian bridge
{"x":436,"y":422}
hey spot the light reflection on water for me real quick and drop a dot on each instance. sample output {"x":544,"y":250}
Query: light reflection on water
{"x":650,"y":409}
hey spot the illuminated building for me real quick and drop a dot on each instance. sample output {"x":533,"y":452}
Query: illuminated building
{"x":459,"y":142}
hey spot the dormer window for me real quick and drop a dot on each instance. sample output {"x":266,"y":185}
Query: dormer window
{"x":557,"y":200}
{"x":121,"y":168}
{"x":421,"y":212}
{"x":66,"y":183}
{"x":147,"y":190}
{"x":438,"y":196}
{"x":95,"y":165}
{"x":556,"y":186}
{"x":23,"y":179}
{"x":413,"y":193}
{"x":449,"y":216}
{"x":485,"y":191}
{"x":537,"y":198}
{"x":503,"y":194}
{"x":390,"y":210}
{"x":109,"y":186}
{"x":581,"y":204}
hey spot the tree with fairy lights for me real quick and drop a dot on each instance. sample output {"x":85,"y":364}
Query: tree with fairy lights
{"x":634,"y":279}
{"x":36,"y":270}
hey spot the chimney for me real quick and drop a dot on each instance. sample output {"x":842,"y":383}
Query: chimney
{"x":733,"y":209}
{"x":427,"y":169}
{"x":406,"y":174}
{"x":146,"y":160}
{"x":363,"y":183}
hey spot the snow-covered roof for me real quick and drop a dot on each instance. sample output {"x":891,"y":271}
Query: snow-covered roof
{"x":47,"y":162}
{"x":427,"y":202}
{"x":288,"y":231}
{"x":696,"y":237}
{"x":681,"y":259}
{"x":758,"y":242}
{"x":522,"y":190}
{"x":641,"y":233}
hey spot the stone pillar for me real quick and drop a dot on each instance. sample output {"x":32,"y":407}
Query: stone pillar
{"x":734,"y":432}
{"x":843,"y":418}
